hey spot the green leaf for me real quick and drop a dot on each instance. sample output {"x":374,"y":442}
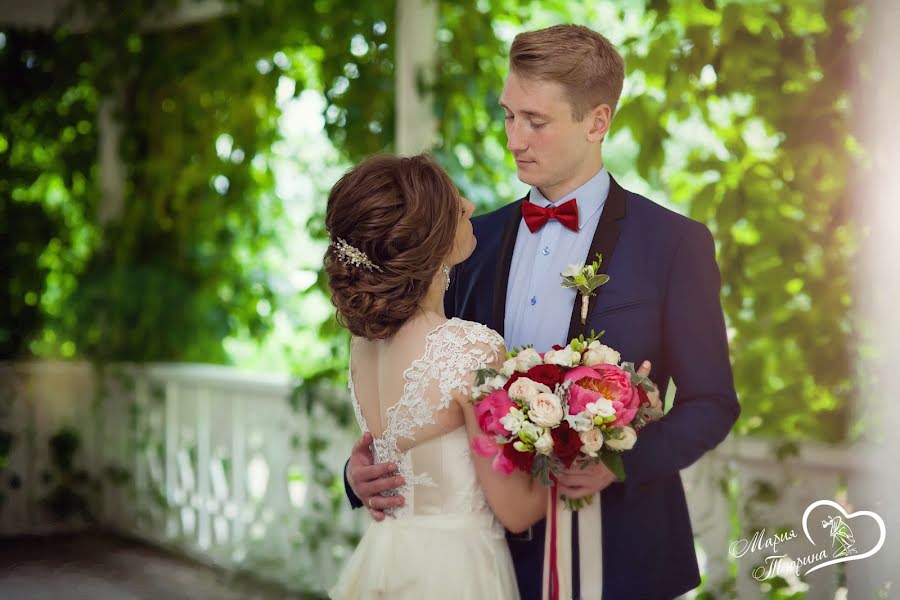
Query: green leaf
{"x":613,"y":461}
{"x":482,"y":375}
{"x":598,"y":280}
{"x":540,"y":470}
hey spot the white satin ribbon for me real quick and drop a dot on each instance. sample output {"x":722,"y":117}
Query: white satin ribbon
{"x":590,"y":550}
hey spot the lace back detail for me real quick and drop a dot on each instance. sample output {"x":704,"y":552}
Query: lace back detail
{"x":452,"y":351}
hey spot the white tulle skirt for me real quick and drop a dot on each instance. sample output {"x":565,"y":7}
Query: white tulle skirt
{"x":457,"y":557}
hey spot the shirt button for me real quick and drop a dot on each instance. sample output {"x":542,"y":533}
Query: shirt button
{"x":546,"y":250}
{"x":533,"y":300}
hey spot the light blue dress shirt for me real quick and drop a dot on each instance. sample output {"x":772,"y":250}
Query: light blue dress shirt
{"x":538,"y":308}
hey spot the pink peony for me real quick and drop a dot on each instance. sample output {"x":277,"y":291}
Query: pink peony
{"x":608,"y":381}
{"x":579,"y":373}
{"x":580,"y":397}
{"x":625,"y":396}
{"x":486,"y":446}
{"x":491,"y":409}
{"x":503,"y":464}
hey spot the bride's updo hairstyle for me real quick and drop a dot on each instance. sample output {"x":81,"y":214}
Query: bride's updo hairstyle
{"x":402,"y":214}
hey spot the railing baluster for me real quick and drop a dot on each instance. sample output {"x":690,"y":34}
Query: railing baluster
{"x":204,"y":494}
{"x":172,"y":430}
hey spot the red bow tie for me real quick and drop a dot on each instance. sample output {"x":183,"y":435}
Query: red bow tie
{"x":535,"y":216}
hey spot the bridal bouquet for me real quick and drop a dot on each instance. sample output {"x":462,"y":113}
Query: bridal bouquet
{"x":542,"y":412}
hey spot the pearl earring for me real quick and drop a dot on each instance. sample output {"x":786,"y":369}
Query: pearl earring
{"x":446,"y":270}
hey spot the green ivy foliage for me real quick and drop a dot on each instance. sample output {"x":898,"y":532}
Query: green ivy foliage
{"x":179,"y":270}
{"x":735,"y":113}
{"x":775,"y":188}
{"x":48,"y":150}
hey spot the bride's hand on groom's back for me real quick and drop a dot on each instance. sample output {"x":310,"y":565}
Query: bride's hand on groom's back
{"x":368,"y":480}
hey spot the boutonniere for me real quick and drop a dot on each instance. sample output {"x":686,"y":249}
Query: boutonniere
{"x":586,"y":279}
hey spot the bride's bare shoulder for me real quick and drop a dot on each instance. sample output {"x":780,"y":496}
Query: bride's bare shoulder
{"x":362,"y":349}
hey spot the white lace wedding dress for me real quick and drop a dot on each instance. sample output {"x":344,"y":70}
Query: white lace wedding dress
{"x":444,"y":542}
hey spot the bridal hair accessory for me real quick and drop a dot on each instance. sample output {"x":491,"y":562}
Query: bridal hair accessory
{"x":349,"y":255}
{"x":446,"y":271}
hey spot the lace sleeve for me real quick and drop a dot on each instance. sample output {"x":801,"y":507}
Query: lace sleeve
{"x":452,"y":353}
{"x":462,"y":348}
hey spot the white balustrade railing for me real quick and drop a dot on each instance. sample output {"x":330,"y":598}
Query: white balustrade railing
{"x":219,"y":461}
{"x":220,"y":469}
{"x":741,"y":488}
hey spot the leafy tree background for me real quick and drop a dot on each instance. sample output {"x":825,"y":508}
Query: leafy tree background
{"x":233,"y":129}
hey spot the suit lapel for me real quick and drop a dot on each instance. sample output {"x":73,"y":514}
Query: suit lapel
{"x":604,"y":242}
{"x":504,"y":261}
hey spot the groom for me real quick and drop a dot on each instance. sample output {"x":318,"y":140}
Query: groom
{"x":661,"y":304}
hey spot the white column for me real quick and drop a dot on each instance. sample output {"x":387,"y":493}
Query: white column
{"x":112,"y":173}
{"x":416,"y":54}
{"x":875,"y":194}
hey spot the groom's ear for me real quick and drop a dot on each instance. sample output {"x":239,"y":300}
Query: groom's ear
{"x":600,"y":118}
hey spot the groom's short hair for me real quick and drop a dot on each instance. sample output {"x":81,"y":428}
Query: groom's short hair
{"x":584,"y":62}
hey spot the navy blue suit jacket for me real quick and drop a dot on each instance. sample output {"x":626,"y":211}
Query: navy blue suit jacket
{"x":660,"y":304}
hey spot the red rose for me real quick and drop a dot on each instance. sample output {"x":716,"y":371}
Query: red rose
{"x":566,"y":444}
{"x":645,"y":400}
{"x":549,"y":375}
{"x":522,"y":460}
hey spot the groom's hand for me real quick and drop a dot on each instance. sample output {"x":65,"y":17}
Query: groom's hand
{"x":368,"y":480}
{"x":578,"y":482}
{"x":645,"y":368}
{"x":655,"y":400}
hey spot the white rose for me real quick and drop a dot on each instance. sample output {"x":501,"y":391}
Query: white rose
{"x":545,"y":410}
{"x":624,"y":439}
{"x":544,"y":444}
{"x":567,"y":357}
{"x":524,"y":388}
{"x":513,"y":421}
{"x":601,"y":407}
{"x":580,"y":422}
{"x":572,"y":270}
{"x":509,"y":367}
{"x":598,"y":354}
{"x":550,"y":356}
{"x":526,"y":359}
{"x":592,"y":441}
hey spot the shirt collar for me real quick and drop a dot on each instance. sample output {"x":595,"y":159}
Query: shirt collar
{"x":591,"y":197}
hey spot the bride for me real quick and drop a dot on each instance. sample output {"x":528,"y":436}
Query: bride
{"x":396,"y":226}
